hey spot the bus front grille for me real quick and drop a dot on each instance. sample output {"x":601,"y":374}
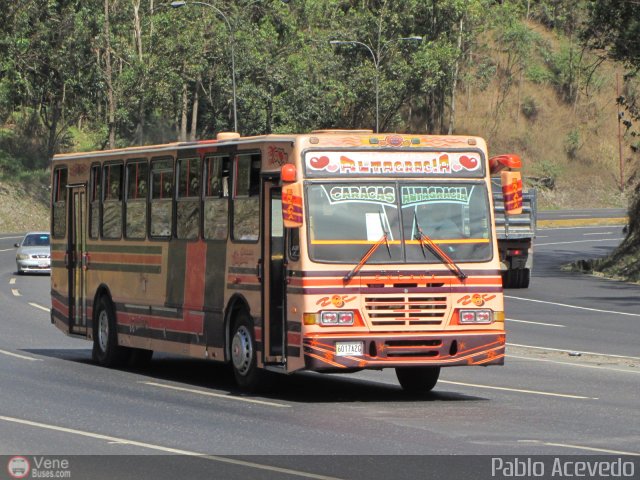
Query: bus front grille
{"x":405,"y":311}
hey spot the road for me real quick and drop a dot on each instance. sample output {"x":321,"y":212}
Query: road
{"x":570,"y":386}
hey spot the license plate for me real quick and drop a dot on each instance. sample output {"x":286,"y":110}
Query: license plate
{"x":349,"y":348}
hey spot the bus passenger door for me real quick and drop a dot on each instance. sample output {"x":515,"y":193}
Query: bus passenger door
{"x":77,"y":260}
{"x":273,"y":274}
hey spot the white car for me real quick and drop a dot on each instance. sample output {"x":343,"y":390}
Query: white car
{"x":34,"y":253}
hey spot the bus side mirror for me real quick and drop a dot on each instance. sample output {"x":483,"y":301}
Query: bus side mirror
{"x":512,"y":192}
{"x":500,"y":162}
{"x":291,"y":197}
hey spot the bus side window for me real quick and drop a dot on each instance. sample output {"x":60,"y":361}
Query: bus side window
{"x":161,"y":197}
{"x":188,"y":201}
{"x":136,"y":201}
{"x":94,"y":202}
{"x":112,"y":204}
{"x":246,"y":198}
{"x":216,"y":197}
{"x":60,"y":176}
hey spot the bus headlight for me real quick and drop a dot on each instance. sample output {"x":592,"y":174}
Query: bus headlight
{"x":476,"y":316}
{"x":336,"y":317}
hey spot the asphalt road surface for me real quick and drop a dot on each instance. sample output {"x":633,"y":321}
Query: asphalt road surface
{"x":570,"y":386}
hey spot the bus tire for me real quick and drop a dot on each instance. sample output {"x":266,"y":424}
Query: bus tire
{"x":417,"y":380}
{"x":244,"y":355}
{"x":140,"y":357}
{"x":106,"y":350}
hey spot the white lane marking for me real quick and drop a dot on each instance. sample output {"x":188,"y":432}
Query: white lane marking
{"x":580,"y":447}
{"x":573,"y":350}
{"x":217,"y":395}
{"x":597,"y":367}
{"x":12,"y":281}
{"x":519,"y":390}
{"x":177,"y":451}
{"x":592,"y":227}
{"x":537,"y":323}
{"x":579,"y":241}
{"x":8,"y":249}
{"x":598,"y":233}
{"x":16,"y":292}
{"x":573,"y":306}
{"x":35,"y":305}
{"x":542,"y":236}
{"x":8,"y":238}
{"x":23,"y":357}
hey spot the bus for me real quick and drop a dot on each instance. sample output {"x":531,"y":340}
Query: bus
{"x":332,"y":251}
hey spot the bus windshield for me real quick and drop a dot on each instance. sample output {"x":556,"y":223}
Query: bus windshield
{"x":347,"y":219}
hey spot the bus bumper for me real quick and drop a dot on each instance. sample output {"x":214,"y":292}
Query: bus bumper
{"x":335,"y":352}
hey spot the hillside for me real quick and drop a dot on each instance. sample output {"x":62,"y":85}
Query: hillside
{"x":569,"y":140}
{"x":24,"y":206}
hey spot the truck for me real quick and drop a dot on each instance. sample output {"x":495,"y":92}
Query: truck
{"x":515,"y":234}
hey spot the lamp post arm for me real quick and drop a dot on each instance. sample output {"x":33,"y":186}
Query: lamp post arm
{"x":356,"y":42}
{"x":384,"y":46}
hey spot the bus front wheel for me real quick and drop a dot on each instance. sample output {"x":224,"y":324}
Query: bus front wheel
{"x":244,"y":355}
{"x":418,"y":380}
{"x":106,"y":350}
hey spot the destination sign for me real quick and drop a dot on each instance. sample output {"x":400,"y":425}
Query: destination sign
{"x":383,"y":163}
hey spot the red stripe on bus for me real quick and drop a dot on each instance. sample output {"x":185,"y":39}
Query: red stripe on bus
{"x":60,"y":307}
{"x":294,"y":339}
{"x":452,"y":281}
{"x":189,"y":323}
{"x":196,"y":256}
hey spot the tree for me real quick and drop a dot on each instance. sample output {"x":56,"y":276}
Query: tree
{"x":50,"y":61}
{"x":613,"y":29}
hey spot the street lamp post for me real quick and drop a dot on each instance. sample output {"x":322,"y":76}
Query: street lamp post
{"x":178,"y":4}
{"x":376,"y":63}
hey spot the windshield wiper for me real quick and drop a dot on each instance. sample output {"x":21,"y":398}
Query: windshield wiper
{"x":426,"y":241}
{"x":366,"y":256}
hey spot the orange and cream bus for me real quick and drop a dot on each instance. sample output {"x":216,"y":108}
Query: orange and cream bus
{"x":333,"y":251}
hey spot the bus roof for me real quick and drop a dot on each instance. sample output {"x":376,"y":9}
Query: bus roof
{"x":230,"y":138}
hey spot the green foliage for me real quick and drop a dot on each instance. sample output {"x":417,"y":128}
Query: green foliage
{"x":86,"y":139}
{"x":539,"y":74}
{"x":9,"y":167}
{"x":288,"y":77}
{"x":548,"y":169}
{"x":530,"y":108}
{"x":572,"y":143}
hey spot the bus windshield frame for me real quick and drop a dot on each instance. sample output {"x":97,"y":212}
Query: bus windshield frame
{"x":346,"y":218}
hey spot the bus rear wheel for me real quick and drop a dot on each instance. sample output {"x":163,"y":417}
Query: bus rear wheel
{"x":106,"y":350}
{"x":418,"y":380}
{"x":244,"y":355}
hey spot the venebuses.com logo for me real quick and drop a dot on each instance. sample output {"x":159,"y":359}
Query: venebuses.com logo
{"x":18,"y":467}
{"x":38,"y":467}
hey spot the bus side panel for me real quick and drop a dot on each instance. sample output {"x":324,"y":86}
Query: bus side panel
{"x":214,"y":294}
{"x":176,"y":266}
{"x":59,"y":272}
{"x":59,"y":286}
{"x":186,"y":284}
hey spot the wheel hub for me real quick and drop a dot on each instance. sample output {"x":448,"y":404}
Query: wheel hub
{"x":242,"y":350}
{"x":103,"y":330}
